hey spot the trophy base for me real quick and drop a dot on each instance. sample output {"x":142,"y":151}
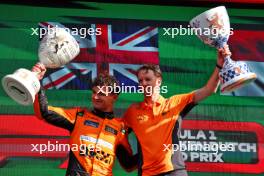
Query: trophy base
{"x":21,"y":86}
{"x":238,"y":82}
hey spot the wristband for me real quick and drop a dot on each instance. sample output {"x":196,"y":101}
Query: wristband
{"x":218,"y":66}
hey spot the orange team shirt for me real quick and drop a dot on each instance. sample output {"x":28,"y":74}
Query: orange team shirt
{"x":153,"y":128}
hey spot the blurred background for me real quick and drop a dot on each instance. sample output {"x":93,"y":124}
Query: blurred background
{"x":133,"y":33}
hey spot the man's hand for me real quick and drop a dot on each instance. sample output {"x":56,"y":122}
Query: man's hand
{"x":40,"y":69}
{"x":222,"y":54}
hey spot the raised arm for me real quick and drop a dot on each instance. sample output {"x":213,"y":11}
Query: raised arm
{"x":59,"y":117}
{"x":213,"y":82}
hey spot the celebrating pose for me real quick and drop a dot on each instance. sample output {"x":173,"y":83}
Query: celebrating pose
{"x":154,"y":120}
{"x":103,"y":136}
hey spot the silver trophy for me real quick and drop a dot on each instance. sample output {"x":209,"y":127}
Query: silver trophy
{"x":213,"y":28}
{"x":56,"y":49}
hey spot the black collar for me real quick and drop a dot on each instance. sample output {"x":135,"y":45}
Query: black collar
{"x":99,"y":113}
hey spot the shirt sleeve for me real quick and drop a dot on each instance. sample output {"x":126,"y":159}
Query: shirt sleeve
{"x":124,"y":153}
{"x":179,"y":102}
{"x":60,"y":117}
{"x":127,"y":117}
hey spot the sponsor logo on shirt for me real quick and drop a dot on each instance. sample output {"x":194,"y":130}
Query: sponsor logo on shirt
{"x":110,"y":130}
{"x":91,"y":123}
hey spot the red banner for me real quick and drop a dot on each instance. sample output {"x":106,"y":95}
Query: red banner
{"x":256,"y":128}
{"x":20,"y":132}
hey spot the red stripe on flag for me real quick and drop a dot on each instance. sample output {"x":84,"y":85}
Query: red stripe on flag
{"x":136,"y":36}
{"x":58,"y":81}
{"x":121,"y":57}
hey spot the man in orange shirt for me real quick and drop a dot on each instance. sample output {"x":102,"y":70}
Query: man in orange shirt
{"x":100,"y":136}
{"x":154,"y":121}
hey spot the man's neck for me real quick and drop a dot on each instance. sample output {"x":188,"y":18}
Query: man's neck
{"x":108,"y":109}
{"x":103,"y":114}
{"x":150,"y":100}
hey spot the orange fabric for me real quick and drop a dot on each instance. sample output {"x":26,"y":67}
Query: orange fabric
{"x":98,"y":136}
{"x":69,"y":114}
{"x":92,"y":131}
{"x":153,"y":127}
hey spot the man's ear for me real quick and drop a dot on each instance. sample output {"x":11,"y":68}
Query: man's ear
{"x":159,"y":81}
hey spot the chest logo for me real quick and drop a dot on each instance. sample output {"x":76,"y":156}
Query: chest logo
{"x":110,"y":130}
{"x":91,"y":123}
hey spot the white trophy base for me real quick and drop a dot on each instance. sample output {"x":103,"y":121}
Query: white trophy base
{"x":238,"y":82}
{"x":21,"y":86}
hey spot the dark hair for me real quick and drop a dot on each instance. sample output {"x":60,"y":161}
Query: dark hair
{"x":105,"y":80}
{"x":153,"y":67}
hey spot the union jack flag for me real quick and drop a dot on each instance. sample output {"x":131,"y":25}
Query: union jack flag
{"x":117,"y":50}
